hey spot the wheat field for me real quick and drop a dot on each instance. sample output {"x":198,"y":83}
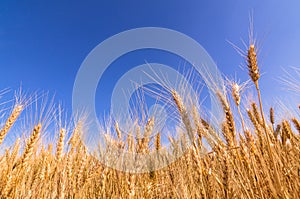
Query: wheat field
{"x":258,"y":159}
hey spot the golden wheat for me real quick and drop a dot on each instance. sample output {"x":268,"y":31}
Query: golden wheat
{"x":259,"y":162}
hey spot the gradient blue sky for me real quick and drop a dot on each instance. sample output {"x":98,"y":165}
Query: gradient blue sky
{"x":42,"y":44}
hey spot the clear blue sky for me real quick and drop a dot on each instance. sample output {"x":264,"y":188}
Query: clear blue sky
{"x":42,"y":44}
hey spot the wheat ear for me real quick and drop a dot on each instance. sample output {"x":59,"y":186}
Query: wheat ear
{"x":60,"y":144}
{"x":30,"y":145}
{"x":184,"y":115}
{"x":157,"y":142}
{"x":296,"y":124}
{"x":10,"y":121}
{"x":229,"y":117}
{"x":118,"y":130}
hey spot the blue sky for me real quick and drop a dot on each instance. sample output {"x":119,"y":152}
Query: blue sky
{"x":42,"y":44}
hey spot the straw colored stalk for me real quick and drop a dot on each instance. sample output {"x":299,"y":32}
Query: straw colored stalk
{"x":131,"y":184}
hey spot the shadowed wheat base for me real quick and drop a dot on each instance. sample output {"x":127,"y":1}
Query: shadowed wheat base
{"x":259,"y":161}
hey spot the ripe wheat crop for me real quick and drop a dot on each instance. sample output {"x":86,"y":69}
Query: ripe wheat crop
{"x":257,"y":159}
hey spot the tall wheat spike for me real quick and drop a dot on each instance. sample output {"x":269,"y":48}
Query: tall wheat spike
{"x":255,"y":75}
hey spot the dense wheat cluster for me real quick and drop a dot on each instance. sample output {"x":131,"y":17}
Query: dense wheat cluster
{"x":260,"y":159}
